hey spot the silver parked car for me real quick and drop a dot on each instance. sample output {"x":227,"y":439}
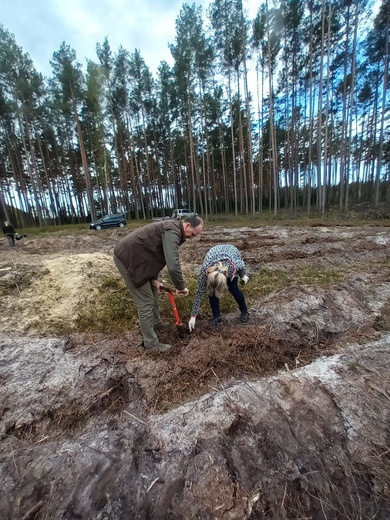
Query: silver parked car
{"x":182,"y":213}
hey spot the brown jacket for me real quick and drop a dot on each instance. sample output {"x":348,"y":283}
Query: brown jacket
{"x":147,"y":250}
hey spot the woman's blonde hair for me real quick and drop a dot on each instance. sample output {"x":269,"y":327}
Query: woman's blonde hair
{"x":216,"y":279}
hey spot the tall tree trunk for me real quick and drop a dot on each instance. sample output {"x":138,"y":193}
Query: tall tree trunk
{"x":243,"y":179}
{"x":327,"y":184}
{"x":84,"y":160}
{"x":274,"y":151}
{"x":320,"y":173}
{"x":234,"y":173}
{"x":36,"y":192}
{"x":351,"y":104}
{"x":53,"y":205}
{"x":382,"y":123}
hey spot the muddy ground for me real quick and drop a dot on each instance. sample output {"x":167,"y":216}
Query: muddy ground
{"x":286,"y":417}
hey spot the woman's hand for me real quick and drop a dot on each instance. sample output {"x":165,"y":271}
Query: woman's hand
{"x":191,"y":323}
{"x":245,"y":279}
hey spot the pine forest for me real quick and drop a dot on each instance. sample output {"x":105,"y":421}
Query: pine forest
{"x":289,"y":110}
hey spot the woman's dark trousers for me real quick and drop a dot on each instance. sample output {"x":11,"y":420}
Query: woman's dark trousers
{"x":237,"y":295}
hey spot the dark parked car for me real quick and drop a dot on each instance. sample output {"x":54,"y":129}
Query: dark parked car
{"x":109,"y":221}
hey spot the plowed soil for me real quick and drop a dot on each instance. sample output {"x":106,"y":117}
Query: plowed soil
{"x":285,"y":417}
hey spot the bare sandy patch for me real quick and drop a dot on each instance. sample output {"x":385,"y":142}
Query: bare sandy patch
{"x":55,"y":295}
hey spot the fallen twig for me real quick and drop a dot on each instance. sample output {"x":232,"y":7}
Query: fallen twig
{"x":152,"y":484}
{"x":17,"y":470}
{"x":106,"y":393}
{"x":232,"y":402}
{"x":43,"y":439}
{"x":136,"y":418}
{"x":190,"y":410}
{"x":284,"y":494}
{"x":33,"y":510}
{"x":203,"y":373}
{"x":111,"y":405}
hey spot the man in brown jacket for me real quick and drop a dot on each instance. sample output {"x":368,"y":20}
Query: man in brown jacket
{"x":140,"y":257}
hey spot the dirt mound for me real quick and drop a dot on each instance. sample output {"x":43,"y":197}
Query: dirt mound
{"x":367,"y":211}
{"x":311,"y":441}
{"x":42,"y":297}
{"x":285,"y":417}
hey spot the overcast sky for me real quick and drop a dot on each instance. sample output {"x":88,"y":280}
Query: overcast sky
{"x":40,"y":26}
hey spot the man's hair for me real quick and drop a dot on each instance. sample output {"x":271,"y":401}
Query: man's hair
{"x":216,"y":279}
{"x":193,"y":220}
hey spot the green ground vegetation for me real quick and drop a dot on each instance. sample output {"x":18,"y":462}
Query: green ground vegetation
{"x":116,"y":313}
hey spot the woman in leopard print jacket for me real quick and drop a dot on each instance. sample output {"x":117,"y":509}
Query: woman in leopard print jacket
{"x":221,"y":268}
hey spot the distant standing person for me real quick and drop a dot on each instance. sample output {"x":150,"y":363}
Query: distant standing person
{"x":140,"y":257}
{"x":221,"y":268}
{"x":9,"y":232}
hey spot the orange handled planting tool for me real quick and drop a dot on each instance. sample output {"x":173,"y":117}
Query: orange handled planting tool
{"x":179,"y":324}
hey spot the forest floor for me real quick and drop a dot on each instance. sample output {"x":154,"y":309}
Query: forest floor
{"x":286,"y":417}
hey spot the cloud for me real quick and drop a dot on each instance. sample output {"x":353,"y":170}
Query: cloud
{"x":40,"y":27}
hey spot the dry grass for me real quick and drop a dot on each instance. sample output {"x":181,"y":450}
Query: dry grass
{"x":212,"y":357}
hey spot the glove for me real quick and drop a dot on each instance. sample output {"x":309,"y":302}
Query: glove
{"x":191,"y":323}
{"x":245,"y":278}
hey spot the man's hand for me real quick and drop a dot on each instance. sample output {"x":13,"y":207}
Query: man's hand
{"x":191,"y":323}
{"x":245,"y":279}
{"x":184,"y":292}
{"x":156,"y":285}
